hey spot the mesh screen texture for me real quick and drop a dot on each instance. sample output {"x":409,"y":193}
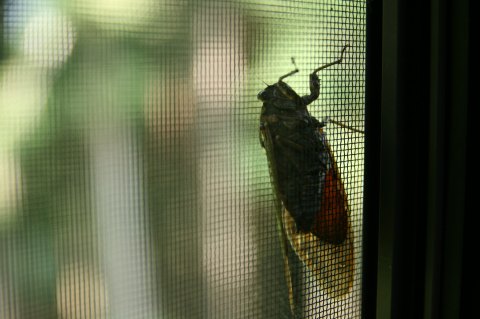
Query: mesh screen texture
{"x":132,"y":180}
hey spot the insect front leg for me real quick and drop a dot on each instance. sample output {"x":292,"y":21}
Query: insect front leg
{"x":314,"y":90}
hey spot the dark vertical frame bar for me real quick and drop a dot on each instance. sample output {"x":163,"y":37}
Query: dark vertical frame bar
{"x":373,"y":72}
{"x":456,"y":123}
{"x":387,"y":159}
{"x":470,"y":279}
{"x":427,"y":96}
{"x":451,"y":93}
{"x":412,"y":111}
{"x":403,"y":159}
{"x":436,"y":165}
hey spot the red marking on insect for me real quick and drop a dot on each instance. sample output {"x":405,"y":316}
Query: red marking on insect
{"x":331,"y":222}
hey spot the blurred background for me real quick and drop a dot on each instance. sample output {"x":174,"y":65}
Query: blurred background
{"x":132,"y":180}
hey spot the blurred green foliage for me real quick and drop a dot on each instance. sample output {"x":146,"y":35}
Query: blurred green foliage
{"x":132,"y":183}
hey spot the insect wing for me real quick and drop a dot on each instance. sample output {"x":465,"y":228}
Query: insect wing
{"x":267,"y":143}
{"x":332,"y":264}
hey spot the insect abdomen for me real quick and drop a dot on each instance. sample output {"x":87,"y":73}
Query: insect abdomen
{"x":309,"y":184}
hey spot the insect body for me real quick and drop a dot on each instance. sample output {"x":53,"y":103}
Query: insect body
{"x":315,"y":217}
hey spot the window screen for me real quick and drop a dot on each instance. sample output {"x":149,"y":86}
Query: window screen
{"x":132,"y":180}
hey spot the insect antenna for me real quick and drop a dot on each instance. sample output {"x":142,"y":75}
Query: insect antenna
{"x":290,"y":73}
{"x":332,"y":63}
{"x":260,"y":80}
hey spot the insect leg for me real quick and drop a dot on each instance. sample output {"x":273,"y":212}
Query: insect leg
{"x":314,"y":90}
{"x":332,"y":63}
{"x":289,"y":73}
{"x":338,"y":123}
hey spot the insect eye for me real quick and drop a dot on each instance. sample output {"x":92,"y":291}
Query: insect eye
{"x":263,"y":95}
{"x":267,"y":94}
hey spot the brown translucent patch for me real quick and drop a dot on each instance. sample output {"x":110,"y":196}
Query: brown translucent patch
{"x":331,"y":264}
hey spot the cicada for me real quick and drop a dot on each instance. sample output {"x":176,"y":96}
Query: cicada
{"x":315,"y":217}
